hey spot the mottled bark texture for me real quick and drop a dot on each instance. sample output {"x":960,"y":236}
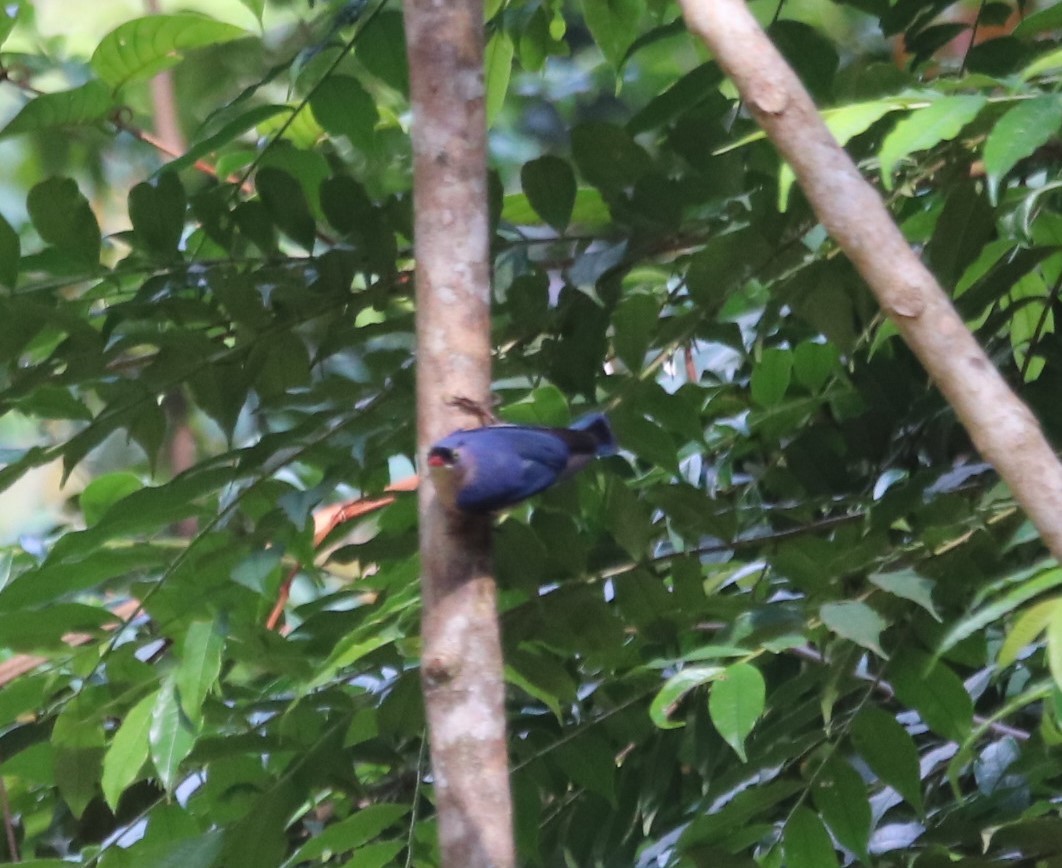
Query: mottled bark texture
{"x":461,"y":667}
{"x":1002,"y":427}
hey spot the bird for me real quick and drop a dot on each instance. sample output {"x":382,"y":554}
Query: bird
{"x":483,"y":470}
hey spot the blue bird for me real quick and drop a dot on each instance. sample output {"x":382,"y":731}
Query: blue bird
{"x":485,"y":469}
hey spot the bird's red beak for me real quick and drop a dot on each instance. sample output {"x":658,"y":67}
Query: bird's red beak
{"x":436,"y":461}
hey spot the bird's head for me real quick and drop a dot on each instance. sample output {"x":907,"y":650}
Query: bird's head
{"x":447,"y":472}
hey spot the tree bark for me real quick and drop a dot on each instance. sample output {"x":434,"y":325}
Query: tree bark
{"x":461,"y":666}
{"x":1000,"y":424}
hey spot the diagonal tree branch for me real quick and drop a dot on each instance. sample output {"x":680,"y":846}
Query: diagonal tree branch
{"x":1001,"y":426}
{"x":461,"y":666}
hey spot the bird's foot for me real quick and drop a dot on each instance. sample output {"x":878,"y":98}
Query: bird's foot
{"x":483,"y":415}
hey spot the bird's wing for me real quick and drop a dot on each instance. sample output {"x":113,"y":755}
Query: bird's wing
{"x":510,"y":464}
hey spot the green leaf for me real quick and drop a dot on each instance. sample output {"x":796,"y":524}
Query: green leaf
{"x":64,"y":218}
{"x":9,"y":13}
{"x":52,"y":580}
{"x":243,"y":122}
{"x":382,"y":48}
{"x":815,"y":363}
{"x":910,"y":586}
{"x":128,"y":751}
{"x":1042,"y":580}
{"x":940,"y":121}
{"x":771,"y":376}
{"x":86,"y":105}
{"x":1020,"y":131}
{"x":549,"y":184}
{"x":157,"y":213}
{"x":644,"y":438}
{"x":855,"y":621}
{"x":77,"y":772}
{"x":934,"y":691}
{"x":589,"y":209}
{"x":845,"y":123}
{"x":890,"y":752}
{"x":256,"y":7}
{"x":1048,"y":18}
{"x":357,"y":830}
{"x":736,"y":703}
{"x":199,"y":668}
{"x":841,"y":796}
{"x":627,"y":519}
{"x":635,"y":318}
{"x":379,"y":855}
{"x":684,"y":95}
{"x":1030,"y":624}
{"x":676,"y":687}
{"x":286,"y":204}
{"x":78,"y":740}
{"x":591,"y":765}
{"x":806,"y":842}
{"x":42,"y":629}
{"x":344,"y":108}
{"x":1054,"y":647}
{"x":541,"y":676}
{"x":1045,"y":64}
{"x":607,"y":156}
{"x":140,"y":49}
{"x":171,"y":735}
{"x":104,"y":491}
{"x":498,"y":68}
{"x":10,"y":251}
{"x":614,"y":25}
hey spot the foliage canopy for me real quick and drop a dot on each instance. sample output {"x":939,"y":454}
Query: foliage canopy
{"x":795,"y":622}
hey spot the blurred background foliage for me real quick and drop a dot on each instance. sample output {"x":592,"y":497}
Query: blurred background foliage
{"x":796,"y":622}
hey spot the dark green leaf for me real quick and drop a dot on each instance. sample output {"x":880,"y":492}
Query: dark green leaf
{"x":243,"y":122}
{"x":934,"y":691}
{"x":613,"y":24}
{"x":1024,"y":128}
{"x":840,"y":794}
{"x":286,"y":204}
{"x":63,"y":218}
{"x":549,"y":184}
{"x":382,"y":48}
{"x":344,"y":108}
{"x":806,"y":842}
{"x":157,"y":212}
{"x":890,"y":752}
{"x":10,"y":250}
{"x":82,"y":106}
{"x":634,"y":321}
{"x":607,"y":156}
{"x":355,"y":831}
{"x":771,"y":376}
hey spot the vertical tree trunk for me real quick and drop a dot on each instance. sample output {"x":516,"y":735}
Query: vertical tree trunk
{"x":461,"y":668}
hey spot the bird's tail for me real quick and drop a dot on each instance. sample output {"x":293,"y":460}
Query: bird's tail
{"x":597,"y":425}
